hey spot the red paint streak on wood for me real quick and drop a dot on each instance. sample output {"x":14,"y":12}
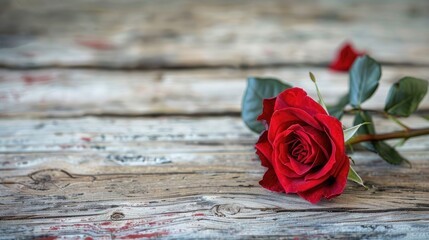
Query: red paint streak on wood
{"x":198,"y":214}
{"x":83,"y":226}
{"x":145,"y":235}
{"x":128,"y":225}
{"x":10,"y":95}
{"x":132,"y":225}
{"x":86,"y":139}
{"x":88,"y":238}
{"x":116,"y":230}
{"x":95,"y":44}
{"x":158,"y":223}
{"x":110,"y":227}
{"x":29,"y":80}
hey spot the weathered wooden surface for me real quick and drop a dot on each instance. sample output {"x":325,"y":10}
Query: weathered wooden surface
{"x":92,"y":150}
{"x":146,"y":34}
{"x":187,"y":177}
{"x":62,"y":92}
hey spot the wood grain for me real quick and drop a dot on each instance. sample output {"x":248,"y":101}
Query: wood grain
{"x":187,"y":177}
{"x":61,"y":92}
{"x":155,"y":34}
{"x":120,"y":120}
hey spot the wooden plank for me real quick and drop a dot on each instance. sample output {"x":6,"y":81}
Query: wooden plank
{"x":195,"y":177}
{"x":60,"y":92}
{"x":166,"y":141}
{"x":200,"y":210}
{"x":146,"y":34}
{"x":122,"y":134}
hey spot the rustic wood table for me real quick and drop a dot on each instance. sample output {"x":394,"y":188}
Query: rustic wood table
{"x":121,"y":119}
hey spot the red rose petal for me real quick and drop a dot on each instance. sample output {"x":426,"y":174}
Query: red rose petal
{"x":319,"y":142}
{"x":271,"y":182}
{"x":267,"y":110}
{"x":280,"y":156}
{"x":289,"y":179}
{"x":295,"y":185}
{"x":313,"y":195}
{"x":282,"y":119}
{"x":338,"y":186}
{"x":264,"y":149}
{"x":297,"y":166}
{"x":336,"y":135}
{"x":298,"y":98}
{"x":334,"y":128}
{"x":326,"y":169}
{"x":333,"y":186}
{"x":345,"y":58}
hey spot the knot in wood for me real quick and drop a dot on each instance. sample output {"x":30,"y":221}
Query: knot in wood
{"x":47,"y":179}
{"x":223,"y":210}
{"x":116,"y":216}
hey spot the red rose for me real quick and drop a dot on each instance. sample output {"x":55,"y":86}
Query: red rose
{"x":303,"y":147}
{"x":345,"y":58}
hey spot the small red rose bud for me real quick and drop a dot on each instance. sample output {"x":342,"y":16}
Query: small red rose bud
{"x":345,"y":58}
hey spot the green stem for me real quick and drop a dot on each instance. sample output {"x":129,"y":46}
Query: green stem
{"x":393,"y":135}
{"x":319,"y":95}
{"x":355,"y":110}
{"x":405,"y":127}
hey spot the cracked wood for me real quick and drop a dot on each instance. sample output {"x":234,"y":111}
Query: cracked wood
{"x":187,"y":177}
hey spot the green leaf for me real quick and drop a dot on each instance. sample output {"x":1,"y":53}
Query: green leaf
{"x":405,"y":95}
{"x":353,"y":176}
{"x":350,"y":132}
{"x":400,"y":143}
{"x":257,"y":90}
{"x":385,"y":151}
{"x":364,"y":77}
{"x":389,"y":154}
{"x":365,"y":117}
{"x":337,"y":110}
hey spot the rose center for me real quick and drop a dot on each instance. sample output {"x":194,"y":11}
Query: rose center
{"x":297,"y":150}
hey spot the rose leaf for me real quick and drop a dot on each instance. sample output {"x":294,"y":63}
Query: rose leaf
{"x":353,"y":176}
{"x":364,"y":77}
{"x":405,"y":96}
{"x":384,"y":150}
{"x":350,"y":132}
{"x":389,"y":154}
{"x":337,"y":110}
{"x":365,"y":117}
{"x":257,"y":90}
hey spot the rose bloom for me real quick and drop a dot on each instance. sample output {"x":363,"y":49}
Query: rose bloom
{"x":345,"y":58}
{"x":302,"y":147}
